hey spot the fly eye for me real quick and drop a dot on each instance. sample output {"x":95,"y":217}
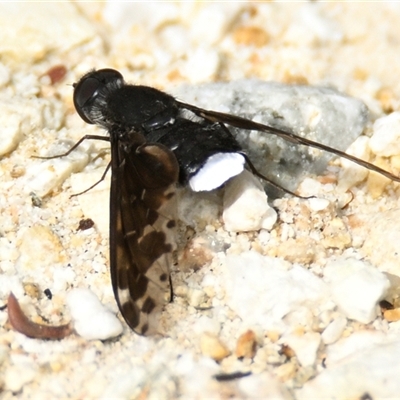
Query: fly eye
{"x":84,"y":94}
{"x":88,"y":88}
{"x":85,"y":91}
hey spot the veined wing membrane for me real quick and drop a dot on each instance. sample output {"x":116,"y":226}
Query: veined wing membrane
{"x":142,"y":231}
{"x":243,"y":123}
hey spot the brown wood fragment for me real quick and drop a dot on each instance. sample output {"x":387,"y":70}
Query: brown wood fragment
{"x":85,"y":224}
{"x":22,"y":324}
{"x":56,"y":73}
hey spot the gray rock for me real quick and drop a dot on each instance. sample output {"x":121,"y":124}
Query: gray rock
{"x":317,"y":113}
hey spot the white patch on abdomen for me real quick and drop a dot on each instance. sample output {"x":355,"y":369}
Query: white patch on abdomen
{"x":216,"y":171}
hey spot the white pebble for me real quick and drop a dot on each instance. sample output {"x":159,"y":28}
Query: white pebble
{"x":91,"y":319}
{"x":62,"y":278}
{"x":246,"y":205}
{"x":317,"y":204}
{"x":208,"y":280}
{"x":196,"y":297}
{"x":305,"y":346}
{"x":349,"y":346}
{"x":309,"y":187}
{"x":202,"y":65}
{"x":374,"y":371}
{"x":334,"y":330}
{"x":385,"y":141}
{"x":210,"y":24}
{"x":47,"y":175}
{"x":212,"y":346}
{"x":380,"y":235}
{"x":206,"y":324}
{"x":19,"y":115}
{"x":11,"y":132}
{"x":261,"y":289}
{"x":356,"y":287}
{"x":352,"y":174}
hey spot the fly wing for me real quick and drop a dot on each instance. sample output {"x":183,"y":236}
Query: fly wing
{"x":243,"y":123}
{"x":142,"y":230}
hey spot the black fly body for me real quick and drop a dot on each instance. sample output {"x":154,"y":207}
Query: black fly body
{"x":158,"y":142}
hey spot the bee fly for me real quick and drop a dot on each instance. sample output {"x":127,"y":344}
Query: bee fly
{"x":157,"y":142}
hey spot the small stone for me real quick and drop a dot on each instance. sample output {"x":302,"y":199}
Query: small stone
{"x":48,"y":175}
{"x":392,"y":315}
{"x":56,"y":73}
{"x":206,"y":324}
{"x":305,"y":346}
{"x":351,"y":344}
{"x":285,"y":371}
{"x":385,"y":140}
{"x":387,"y":98}
{"x":196,"y":297}
{"x":63,"y":278}
{"x":196,"y":253}
{"x":377,"y":183}
{"x":287,"y":351}
{"x":211,"y":346}
{"x":251,"y":36}
{"x":336,"y":235}
{"x":273,"y":336}
{"x":309,"y":187}
{"x":91,"y":319}
{"x":334,"y":330}
{"x":12,"y":131}
{"x":246,"y":345}
{"x":352,"y":174}
{"x":381,"y":245}
{"x":202,"y":65}
{"x":302,"y":250}
{"x":40,"y":247}
{"x":32,"y":290}
{"x":262,"y":290}
{"x":373,"y":369}
{"x":56,"y":366}
{"x":357,"y":287}
{"x":246,"y":205}
{"x":395,"y":161}
{"x":317,"y":204}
